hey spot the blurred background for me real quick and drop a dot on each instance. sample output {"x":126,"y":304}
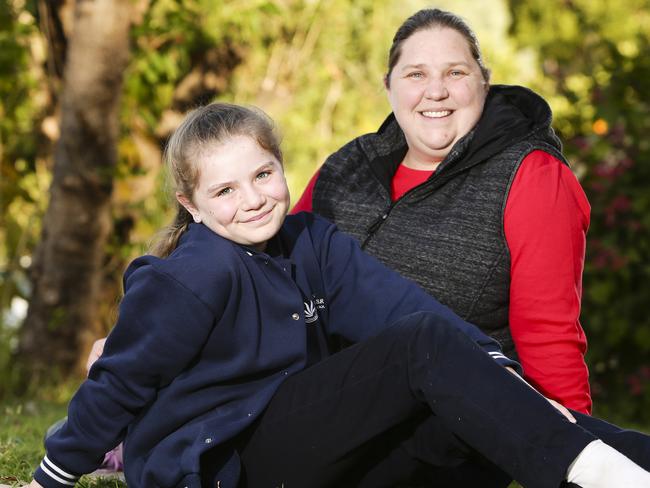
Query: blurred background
{"x":86,"y":106}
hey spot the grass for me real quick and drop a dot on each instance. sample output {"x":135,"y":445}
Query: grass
{"x":22,"y":425}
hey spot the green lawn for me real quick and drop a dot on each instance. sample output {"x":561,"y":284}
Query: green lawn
{"x":22,"y":425}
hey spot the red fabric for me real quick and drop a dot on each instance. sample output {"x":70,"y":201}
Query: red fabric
{"x":304,"y":202}
{"x":405,"y":179}
{"x":545,"y":223}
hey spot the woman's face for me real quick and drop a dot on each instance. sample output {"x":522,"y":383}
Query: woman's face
{"x":241,"y":193}
{"x":437,"y":92}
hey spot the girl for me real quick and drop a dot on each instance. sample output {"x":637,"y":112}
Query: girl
{"x":221,"y":369}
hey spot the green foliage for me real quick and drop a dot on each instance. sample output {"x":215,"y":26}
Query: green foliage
{"x":316,"y":67}
{"x":24,"y":176}
{"x":595,"y":72}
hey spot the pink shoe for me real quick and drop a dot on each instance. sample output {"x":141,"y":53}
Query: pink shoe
{"x":113,"y":465}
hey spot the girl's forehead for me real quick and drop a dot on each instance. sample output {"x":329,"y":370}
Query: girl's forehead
{"x":235,"y":157}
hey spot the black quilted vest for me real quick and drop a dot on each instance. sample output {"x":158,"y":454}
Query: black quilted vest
{"x":446,"y":234}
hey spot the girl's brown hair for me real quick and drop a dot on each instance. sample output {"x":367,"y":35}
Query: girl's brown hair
{"x":201,"y":130}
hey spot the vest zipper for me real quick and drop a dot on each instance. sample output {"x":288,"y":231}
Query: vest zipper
{"x":374,"y":227}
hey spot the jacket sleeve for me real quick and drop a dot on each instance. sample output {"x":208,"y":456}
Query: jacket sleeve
{"x":161,"y":327}
{"x":545,"y":224}
{"x":365,"y":296}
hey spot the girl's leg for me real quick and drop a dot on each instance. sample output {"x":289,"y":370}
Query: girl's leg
{"x":417,"y":462}
{"x":323,"y":424}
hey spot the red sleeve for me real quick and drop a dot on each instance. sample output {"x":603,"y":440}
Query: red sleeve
{"x":545,"y":223}
{"x":304,"y":203}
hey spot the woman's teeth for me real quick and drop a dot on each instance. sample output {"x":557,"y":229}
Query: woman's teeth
{"x":436,"y":115}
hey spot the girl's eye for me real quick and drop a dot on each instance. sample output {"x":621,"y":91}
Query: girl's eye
{"x":224,"y":191}
{"x":263,"y":174}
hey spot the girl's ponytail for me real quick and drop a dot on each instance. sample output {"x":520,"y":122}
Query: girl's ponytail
{"x":167,"y":239}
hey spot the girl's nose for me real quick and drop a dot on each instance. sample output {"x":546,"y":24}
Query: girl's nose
{"x":251,"y":198}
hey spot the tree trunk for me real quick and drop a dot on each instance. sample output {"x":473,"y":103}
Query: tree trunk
{"x":62,"y":320}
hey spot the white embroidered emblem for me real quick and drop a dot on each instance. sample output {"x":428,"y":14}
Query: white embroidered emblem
{"x":311,"y":314}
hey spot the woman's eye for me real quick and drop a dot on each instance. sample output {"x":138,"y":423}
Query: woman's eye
{"x":416,"y":74}
{"x":224,"y":191}
{"x":263,"y":174}
{"x":456,"y":73}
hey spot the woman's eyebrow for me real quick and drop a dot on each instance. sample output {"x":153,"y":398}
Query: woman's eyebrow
{"x":424,"y":65}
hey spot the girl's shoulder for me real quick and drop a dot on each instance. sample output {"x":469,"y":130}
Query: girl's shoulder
{"x":201,"y":261}
{"x":307,"y":225}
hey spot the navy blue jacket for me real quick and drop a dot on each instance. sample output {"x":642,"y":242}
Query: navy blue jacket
{"x":205,"y":337}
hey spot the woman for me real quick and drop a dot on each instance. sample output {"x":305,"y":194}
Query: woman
{"x":464,"y":190}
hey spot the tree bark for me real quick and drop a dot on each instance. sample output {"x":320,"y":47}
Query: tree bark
{"x":62,"y":320}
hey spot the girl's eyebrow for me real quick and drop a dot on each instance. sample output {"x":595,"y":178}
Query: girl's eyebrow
{"x":216,"y":186}
{"x":263,"y":166}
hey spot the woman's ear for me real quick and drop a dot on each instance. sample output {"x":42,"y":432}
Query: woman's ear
{"x":189,"y":206}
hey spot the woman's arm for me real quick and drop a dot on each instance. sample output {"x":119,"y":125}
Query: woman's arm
{"x":545,"y":223}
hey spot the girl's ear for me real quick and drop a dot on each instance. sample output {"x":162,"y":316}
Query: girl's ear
{"x":189,"y":206}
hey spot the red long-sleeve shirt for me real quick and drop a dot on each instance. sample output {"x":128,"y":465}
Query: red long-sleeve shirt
{"x":545,"y":223}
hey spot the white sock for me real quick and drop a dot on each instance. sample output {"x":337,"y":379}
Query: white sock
{"x":601,"y":466}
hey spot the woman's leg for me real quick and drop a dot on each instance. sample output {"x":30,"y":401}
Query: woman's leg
{"x":323,"y":423}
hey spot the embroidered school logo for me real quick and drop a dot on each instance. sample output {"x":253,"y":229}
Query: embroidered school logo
{"x":311,"y":314}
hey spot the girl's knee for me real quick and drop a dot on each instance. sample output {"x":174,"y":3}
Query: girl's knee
{"x":429,"y":328}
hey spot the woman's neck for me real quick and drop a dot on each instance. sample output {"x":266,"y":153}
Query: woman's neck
{"x":413,"y":162}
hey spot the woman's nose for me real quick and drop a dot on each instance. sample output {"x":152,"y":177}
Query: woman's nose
{"x":436,"y":89}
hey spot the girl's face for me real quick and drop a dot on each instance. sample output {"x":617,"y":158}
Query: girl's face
{"x":436,"y":91}
{"x":241,"y":193}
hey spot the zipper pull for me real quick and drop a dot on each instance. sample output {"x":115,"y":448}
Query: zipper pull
{"x":374,"y":227}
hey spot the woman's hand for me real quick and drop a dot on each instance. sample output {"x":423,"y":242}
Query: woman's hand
{"x":563,"y":410}
{"x":95,"y":353}
{"x":558,"y":406}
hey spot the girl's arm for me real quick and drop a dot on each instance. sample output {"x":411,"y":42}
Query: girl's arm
{"x":545,"y":224}
{"x":161,"y":328}
{"x":365,"y":296}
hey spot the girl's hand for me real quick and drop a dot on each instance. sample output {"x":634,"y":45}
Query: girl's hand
{"x":95,"y":352}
